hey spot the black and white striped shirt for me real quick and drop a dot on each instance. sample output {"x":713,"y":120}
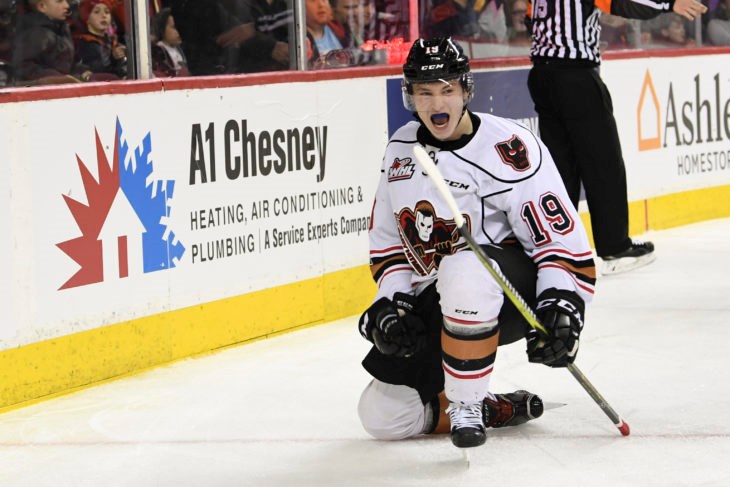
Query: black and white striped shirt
{"x":569,"y":29}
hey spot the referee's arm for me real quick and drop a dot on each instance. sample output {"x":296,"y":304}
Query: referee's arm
{"x":631,"y":9}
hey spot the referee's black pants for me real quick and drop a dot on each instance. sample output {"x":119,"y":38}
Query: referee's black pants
{"x":577,"y":125}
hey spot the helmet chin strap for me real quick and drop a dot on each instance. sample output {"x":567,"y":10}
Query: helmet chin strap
{"x":466,"y":105}
{"x":463,"y":111}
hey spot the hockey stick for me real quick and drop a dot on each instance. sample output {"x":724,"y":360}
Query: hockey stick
{"x":438,"y":180}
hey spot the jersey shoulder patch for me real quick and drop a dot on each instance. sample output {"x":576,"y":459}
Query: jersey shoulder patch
{"x":514,"y":153}
{"x":399,"y":169}
{"x":515,"y":150}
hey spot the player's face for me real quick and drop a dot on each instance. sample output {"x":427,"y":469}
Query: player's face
{"x":440,"y":106}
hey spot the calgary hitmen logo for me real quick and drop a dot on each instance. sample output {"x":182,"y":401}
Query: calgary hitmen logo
{"x":513,"y":153}
{"x":401,"y":169}
{"x":427,"y":238}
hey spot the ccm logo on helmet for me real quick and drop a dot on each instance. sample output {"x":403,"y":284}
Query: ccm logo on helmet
{"x":428,"y":67}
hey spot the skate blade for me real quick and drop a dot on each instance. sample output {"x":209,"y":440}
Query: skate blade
{"x":465,"y":455}
{"x":625,"y":264}
{"x":546,"y":406}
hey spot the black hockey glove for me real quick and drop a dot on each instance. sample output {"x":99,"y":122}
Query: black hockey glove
{"x":561,"y":313}
{"x":393,"y":327}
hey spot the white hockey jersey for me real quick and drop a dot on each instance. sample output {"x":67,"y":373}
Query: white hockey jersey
{"x":506,"y":183}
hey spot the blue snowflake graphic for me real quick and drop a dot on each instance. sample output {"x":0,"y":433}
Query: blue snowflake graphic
{"x":151,"y":203}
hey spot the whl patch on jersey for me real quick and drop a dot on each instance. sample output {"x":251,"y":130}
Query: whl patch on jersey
{"x":401,"y":169}
{"x":514,"y":153}
{"x":427,"y":238}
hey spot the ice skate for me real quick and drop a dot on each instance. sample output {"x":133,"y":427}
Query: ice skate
{"x":637,"y":255}
{"x":467,"y":424}
{"x":511,"y":409}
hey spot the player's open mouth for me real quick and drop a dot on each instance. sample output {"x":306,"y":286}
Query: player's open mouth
{"x":440,"y":119}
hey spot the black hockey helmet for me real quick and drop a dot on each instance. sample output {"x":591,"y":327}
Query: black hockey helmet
{"x":437,"y":59}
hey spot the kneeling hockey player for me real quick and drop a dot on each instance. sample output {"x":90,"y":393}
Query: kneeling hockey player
{"x":439,"y":316}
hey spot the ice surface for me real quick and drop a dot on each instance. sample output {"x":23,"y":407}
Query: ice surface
{"x":282,"y":412}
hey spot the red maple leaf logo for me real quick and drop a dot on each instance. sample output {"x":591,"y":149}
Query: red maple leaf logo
{"x":86,"y":250}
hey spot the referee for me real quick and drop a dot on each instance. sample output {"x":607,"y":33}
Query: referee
{"x":576,"y":113}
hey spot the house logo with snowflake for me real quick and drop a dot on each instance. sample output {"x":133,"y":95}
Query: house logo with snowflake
{"x":124,"y":223}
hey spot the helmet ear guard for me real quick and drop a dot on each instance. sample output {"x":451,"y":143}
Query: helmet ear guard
{"x":467,"y":83}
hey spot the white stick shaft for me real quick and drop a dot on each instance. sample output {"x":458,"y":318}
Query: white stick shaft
{"x":438,"y":180}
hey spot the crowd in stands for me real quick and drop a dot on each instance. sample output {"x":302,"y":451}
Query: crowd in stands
{"x":63,"y":41}
{"x":718,"y":26}
{"x":67,"y":41}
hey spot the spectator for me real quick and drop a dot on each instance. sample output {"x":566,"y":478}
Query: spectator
{"x":212,"y":30}
{"x":355,"y":17}
{"x":614,"y":32}
{"x":44,"y":49}
{"x":96,"y":46}
{"x":168,"y":58}
{"x":320,"y":34}
{"x":669,"y":30}
{"x":457,"y":18}
{"x":267,"y":47}
{"x":121,"y":20}
{"x":517,"y":33}
{"x":390,"y":20}
{"x":233,"y":36}
{"x":575,"y":113}
{"x":7,"y":33}
{"x":621,"y":33}
{"x":718,"y":28}
{"x":492,"y":22}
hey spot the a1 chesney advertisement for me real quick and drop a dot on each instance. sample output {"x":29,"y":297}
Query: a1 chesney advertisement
{"x":172,"y":200}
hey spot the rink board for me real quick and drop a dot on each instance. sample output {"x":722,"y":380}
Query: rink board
{"x":189,"y":242}
{"x":674,"y":120}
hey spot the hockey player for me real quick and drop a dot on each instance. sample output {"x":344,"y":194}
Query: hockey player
{"x":438,"y":316}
